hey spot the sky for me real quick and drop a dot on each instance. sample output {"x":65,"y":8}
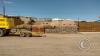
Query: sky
{"x":71,"y":9}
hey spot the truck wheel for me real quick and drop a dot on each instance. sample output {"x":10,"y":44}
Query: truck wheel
{"x":28,"y":35}
{"x":7,"y":32}
{"x":22,"y":34}
{"x":1,"y":33}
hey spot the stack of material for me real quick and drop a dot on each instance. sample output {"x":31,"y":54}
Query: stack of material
{"x":16,"y":20}
{"x":25,"y":26}
{"x":37,"y":28}
{"x":62,"y":30}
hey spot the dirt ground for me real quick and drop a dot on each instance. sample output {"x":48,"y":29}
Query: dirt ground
{"x":51,"y":45}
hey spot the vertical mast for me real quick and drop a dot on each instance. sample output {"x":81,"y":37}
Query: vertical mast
{"x":3,"y":8}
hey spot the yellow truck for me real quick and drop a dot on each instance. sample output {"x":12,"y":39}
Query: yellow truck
{"x":8,"y":26}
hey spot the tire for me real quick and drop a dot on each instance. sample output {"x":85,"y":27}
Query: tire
{"x":28,"y":35}
{"x":22,"y":34}
{"x":7,"y":32}
{"x":1,"y":33}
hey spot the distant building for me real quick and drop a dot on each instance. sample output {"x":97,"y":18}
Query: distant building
{"x":63,"y":22}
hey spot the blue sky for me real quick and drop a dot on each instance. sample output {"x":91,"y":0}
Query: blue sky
{"x":84,"y":9}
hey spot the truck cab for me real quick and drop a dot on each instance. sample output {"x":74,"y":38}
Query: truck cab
{"x":5,"y":25}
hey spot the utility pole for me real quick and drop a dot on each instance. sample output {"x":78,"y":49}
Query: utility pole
{"x":78,"y":25}
{"x":3,"y":8}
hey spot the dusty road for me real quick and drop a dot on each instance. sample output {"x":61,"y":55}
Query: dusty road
{"x":51,"y":45}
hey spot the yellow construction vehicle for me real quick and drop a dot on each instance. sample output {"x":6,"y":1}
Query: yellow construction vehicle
{"x":5,"y":25}
{"x":11,"y":25}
